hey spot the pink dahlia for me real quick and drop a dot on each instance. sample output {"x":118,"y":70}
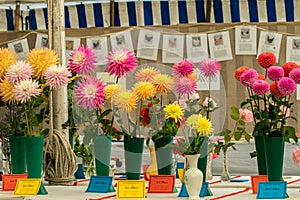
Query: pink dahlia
{"x":82,"y":60}
{"x":295,"y":75}
{"x":89,"y":93}
{"x":186,"y":86}
{"x":275,"y":73}
{"x":260,"y":87}
{"x":26,"y":89}
{"x":287,"y":86}
{"x":266,"y":59}
{"x":18,"y":71}
{"x":289,"y":66}
{"x":209,"y":67}
{"x":57,"y":75}
{"x":183,"y":68}
{"x":246,"y":115}
{"x":120,"y":62}
{"x":239,"y":71}
{"x":248,"y":77}
{"x":296,"y":156}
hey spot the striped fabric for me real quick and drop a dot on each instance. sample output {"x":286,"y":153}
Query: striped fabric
{"x":172,"y":12}
{"x":7,"y":17}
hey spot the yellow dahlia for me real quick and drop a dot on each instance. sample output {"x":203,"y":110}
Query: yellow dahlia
{"x":146,"y":74}
{"x":193,"y":121}
{"x":125,"y":100}
{"x":163,"y":83}
{"x":173,"y":111}
{"x":204,"y":126}
{"x":111,"y":90}
{"x":40,"y":60}
{"x":7,"y":58}
{"x":144,"y":90}
{"x":7,"y":92}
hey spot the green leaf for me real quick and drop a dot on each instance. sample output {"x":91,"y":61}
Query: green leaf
{"x":237,"y":136}
{"x":234,"y":113}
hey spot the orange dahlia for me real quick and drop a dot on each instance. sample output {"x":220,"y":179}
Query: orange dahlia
{"x":238,"y":72}
{"x":274,"y":89}
{"x":7,"y":58}
{"x":289,"y":66}
{"x":266,"y":59}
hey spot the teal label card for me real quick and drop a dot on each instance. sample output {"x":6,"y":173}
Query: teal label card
{"x":99,"y":184}
{"x":272,"y":190}
{"x":183,"y":192}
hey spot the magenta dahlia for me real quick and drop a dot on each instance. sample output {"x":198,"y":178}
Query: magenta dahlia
{"x":209,"y":67}
{"x":186,"y":86}
{"x":248,"y":77}
{"x":183,"y":68}
{"x":89,"y":93}
{"x":295,"y":75}
{"x":275,"y":73}
{"x":120,"y":61}
{"x":287,"y":86}
{"x":82,"y":60}
{"x":260,"y":87}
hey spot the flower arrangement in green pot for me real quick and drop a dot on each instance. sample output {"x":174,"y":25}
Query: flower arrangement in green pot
{"x":271,"y":103}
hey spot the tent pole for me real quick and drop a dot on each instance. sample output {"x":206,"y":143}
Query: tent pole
{"x":112,"y":13}
{"x":17,"y":16}
{"x":208,"y":11}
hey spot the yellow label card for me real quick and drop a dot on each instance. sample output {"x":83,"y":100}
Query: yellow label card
{"x":131,"y":189}
{"x":28,"y":186}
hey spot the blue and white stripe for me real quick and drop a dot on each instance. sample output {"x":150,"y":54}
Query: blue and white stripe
{"x":7,"y":18}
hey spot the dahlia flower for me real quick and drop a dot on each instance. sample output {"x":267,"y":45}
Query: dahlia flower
{"x":249,"y":77}
{"x":146,"y":74}
{"x":260,"y":87}
{"x":40,"y":60}
{"x":238,"y":72}
{"x":82,"y":60}
{"x":296,"y":156}
{"x":111,"y":90}
{"x":125,"y":100}
{"x":173,"y":111}
{"x":289,"y":66}
{"x":26,"y":89}
{"x":274,"y":90}
{"x":7,"y":58}
{"x":275,"y":73}
{"x":208,"y":100}
{"x":193,"y":121}
{"x":163,"y":83}
{"x":89,"y":93}
{"x":57,"y":75}
{"x":287,"y":86}
{"x":18,"y":71}
{"x":295,"y":75}
{"x":7,"y":91}
{"x":186,"y":86}
{"x":183,"y":68}
{"x":209,"y":67}
{"x":120,"y":62}
{"x":266,"y":59}
{"x":144,"y":90}
{"x":204,"y":126}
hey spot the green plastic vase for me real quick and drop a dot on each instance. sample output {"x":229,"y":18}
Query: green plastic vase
{"x":164,"y":156}
{"x":133,"y":150}
{"x":260,"y":155}
{"x":34,"y":159}
{"x":102,"y":151}
{"x":17,"y":153}
{"x":274,"y":147}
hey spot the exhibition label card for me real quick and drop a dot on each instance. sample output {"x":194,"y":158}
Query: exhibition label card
{"x":100,"y":184}
{"x":255,"y":180}
{"x":161,"y":184}
{"x":131,"y":189}
{"x":9,"y":181}
{"x":28,"y":186}
{"x":272,"y":190}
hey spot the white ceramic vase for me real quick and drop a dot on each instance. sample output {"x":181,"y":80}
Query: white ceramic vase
{"x":193,"y":177}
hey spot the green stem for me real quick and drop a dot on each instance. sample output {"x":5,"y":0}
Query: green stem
{"x":208,"y":103}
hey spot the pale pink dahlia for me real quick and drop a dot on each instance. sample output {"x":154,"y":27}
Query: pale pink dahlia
{"x":18,"y":71}
{"x":295,"y":75}
{"x":296,"y":156}
{"x":89,"y":93}
{"x":275,"y":73}
{"x":183,"y":68}
{"x":209,"y":67}
{"x":82,"y":60}
{"x":248,"y":77}
{"x":120,"y":61}
{"x":26,"y":89}
{"x":260,"y":87}
{"x":246,"y":115}
{"x":287,"y":86}
{"x":57,"y":75}
{"x":186,"y":86}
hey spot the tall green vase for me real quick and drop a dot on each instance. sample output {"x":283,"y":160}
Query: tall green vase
{"x":34,"y":159}
{"x":260,"y":155}
{"x":274,"y":147}
{"x":133,"y":150}
{"x":102,"y":151}
{"x":164,"y":156}
{"x":17,"y":153}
